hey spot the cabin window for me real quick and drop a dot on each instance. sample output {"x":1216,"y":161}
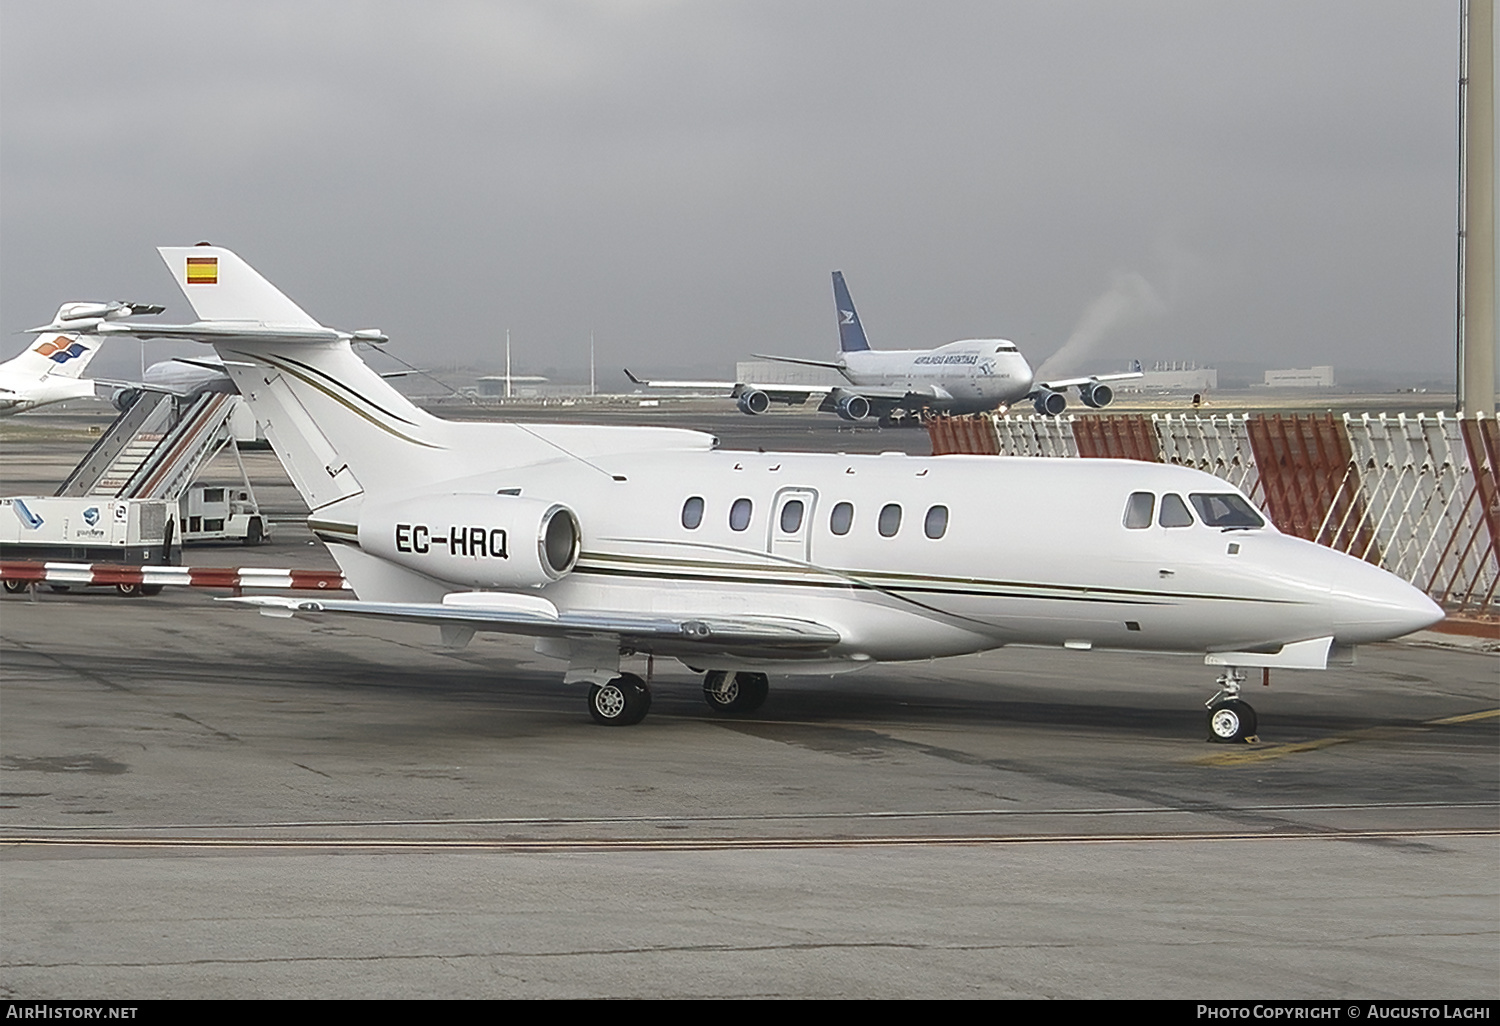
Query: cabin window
{"x":1174,"y":512}
{"x":791,"y":517}
{"x":1138,"y":510}
{"x":936,"y":524}
{"x":692,"y":512}
{"x":890,"y":520}
{"x":1225,"y":509}
{"x":842,"y":518}
{"x":739,"y":515}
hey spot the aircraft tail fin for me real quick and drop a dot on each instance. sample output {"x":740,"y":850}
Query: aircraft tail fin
{"x":851,"y":332}
{"x":222,"y":287}
{"x":62,"y":355}
{"x":338,"y":427}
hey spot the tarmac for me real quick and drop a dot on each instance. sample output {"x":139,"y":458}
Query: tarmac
{"x":198,"y":801}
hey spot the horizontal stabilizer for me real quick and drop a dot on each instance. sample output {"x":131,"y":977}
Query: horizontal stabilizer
{"x":226,"y":331}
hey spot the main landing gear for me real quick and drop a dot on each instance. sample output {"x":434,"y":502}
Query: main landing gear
{"x":1230,"y":720}
{"x":625,"y":700}
{"x":734,"y":693}
{"x":622,"y":702}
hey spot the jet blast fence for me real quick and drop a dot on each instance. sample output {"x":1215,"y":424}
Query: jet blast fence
{"x":1414,"y":494}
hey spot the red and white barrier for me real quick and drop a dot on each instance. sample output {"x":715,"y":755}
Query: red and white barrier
{"x":109,"y":574}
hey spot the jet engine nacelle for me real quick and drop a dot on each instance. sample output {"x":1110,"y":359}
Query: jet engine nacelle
{"x":480,"y":541}
{"x":125,"y":398}
{"x":754,"y":402}
{"x":1049,"y":402}
{"x":83,"y":316}
{"x":853,"y":407}
{"x":1096,"y":396}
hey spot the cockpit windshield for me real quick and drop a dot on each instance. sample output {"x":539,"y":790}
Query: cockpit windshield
{"x":1225,"y":509}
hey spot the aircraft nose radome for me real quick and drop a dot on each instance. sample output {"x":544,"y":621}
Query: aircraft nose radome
{"x":1370,"y":604}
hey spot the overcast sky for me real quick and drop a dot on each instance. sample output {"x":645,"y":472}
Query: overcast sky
{"x":1264,"y":182}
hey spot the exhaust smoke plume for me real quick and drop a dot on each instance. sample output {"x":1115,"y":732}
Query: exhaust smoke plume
{"x":1128,"y":298}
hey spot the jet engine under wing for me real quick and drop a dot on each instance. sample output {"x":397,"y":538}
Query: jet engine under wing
{"x":534,"y":616}
{"x":752,"y":397}
{"x":1090,"y":379}
{"x":1093,"y":389}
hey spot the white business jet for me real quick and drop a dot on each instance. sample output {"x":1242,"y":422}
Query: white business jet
{"x":51,"y":368}
{"x":611,"y":542}
{"x":970,"y":376}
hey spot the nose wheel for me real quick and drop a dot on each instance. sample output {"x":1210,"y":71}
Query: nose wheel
{"x":622,"y":702}
{"x":1230,"y":719}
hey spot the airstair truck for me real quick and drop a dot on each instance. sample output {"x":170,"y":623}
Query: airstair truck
{"x":129,"y":532}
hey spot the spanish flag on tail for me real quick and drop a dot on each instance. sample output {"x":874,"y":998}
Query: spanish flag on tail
{"x":203,"y":270}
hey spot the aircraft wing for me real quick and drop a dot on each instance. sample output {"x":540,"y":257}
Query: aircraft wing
{"x":1063,"y":383}
{"x":918,"y":394}
{"x":534,"y":616}
{"x":831,"y":364}
{"x":791,"y":395}
{"x":725,"y":385}
{"x":1089,"y":379}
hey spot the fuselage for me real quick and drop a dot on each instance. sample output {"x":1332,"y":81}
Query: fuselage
{"x":974,"y":374}
{"x":912,"y":557}
{"x":21,"y":393}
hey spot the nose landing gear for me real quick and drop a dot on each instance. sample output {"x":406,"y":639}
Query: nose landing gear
{"x":1230,"y":720}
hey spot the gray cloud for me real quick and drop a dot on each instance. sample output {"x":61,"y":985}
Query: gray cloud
{"x":681,"y":177}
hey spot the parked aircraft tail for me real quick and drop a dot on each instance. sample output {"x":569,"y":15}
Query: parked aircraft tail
{"x":222,"y":287}
{"x":339,"y":427}
{"x":851,"y":332}
{"x":62,"y":355}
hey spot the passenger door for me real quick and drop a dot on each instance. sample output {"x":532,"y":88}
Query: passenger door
{"x":791,"y":523}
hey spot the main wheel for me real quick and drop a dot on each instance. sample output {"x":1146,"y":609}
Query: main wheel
{"x":1231,"y":722}
{"x":620,"y":703}
{"x":735,"y":693}
{"x":14,"y":586}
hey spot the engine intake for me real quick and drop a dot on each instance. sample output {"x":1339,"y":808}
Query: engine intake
{"x":853,"y":407}
{"x":1048,"y":402}
{"x":1096,"y":396}
{"x":125,"y":398}
{"x":754,"y":402}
